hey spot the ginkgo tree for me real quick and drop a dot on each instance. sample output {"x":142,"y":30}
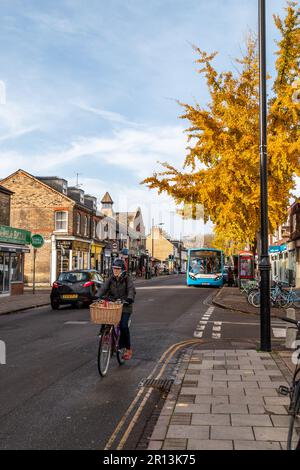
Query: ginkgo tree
{"x":221,"y":169}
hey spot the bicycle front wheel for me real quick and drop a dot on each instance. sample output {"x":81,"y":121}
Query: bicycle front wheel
{"x":255,"y":300}
{"x":293,"y":442}
{"x":104,"y":351}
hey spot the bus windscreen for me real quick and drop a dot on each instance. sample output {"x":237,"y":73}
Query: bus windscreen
{"x":205,"y":262}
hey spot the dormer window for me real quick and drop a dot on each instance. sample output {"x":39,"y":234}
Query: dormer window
{"x":81,"y":198}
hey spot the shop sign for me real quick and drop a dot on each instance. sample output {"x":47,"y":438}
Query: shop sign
{"x":80,"y":246}
{"x":278,"y":248}
{"x":65,"y":244}
{"x":14,"y":235}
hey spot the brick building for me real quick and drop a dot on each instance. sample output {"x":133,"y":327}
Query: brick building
{"x":65,"y":217}
{"x":13,"y":246}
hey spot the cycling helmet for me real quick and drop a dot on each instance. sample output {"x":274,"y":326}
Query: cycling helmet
{"x":119,"y":263}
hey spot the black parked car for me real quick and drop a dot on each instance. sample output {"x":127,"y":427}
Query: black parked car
{"x":76,"y":287}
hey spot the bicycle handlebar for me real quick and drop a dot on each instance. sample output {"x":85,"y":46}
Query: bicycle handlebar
{"x":290,"y":320}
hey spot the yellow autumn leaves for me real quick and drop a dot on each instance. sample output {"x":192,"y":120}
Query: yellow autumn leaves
{"x":221,"y":169}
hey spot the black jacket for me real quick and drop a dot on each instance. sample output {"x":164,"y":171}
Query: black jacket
{"x":119,"y":288}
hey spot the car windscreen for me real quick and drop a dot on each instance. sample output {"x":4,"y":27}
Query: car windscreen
{"x":73,"y":277}
{"x":205,"y":262}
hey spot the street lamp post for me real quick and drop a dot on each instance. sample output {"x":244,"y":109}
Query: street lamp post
{"x":264,"y":265}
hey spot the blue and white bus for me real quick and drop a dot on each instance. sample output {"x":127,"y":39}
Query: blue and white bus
{"x":205,"y":267}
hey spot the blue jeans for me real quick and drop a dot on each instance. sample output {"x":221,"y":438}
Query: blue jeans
{"x":124,"y":341}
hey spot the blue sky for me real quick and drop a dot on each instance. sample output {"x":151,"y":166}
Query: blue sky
{"x":91,"y":87}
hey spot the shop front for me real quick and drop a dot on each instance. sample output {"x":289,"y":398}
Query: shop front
{"x":13,"y":246}
{"x":280,"y":264}
{"x":97,"y":256}
{"x":70,"y":254}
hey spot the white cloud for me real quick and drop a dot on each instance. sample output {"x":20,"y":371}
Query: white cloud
{"x":135,"y":150}
{"x":107,"y":115}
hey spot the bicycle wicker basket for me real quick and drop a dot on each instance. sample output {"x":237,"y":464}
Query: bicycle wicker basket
{"x":106,"y":313}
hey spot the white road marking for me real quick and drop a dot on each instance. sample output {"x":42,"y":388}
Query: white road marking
{"x":216,"y":328}
{"x":200,"y":328}
{"x":216,"y":335}
{"x":76,"y":322}
{"x":198,"y":334}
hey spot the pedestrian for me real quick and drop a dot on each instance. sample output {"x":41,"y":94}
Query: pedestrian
{"x":230,"y":277}
{"x":120,"y":287}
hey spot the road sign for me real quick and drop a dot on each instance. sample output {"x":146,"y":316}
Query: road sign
{"x":37,"y":241}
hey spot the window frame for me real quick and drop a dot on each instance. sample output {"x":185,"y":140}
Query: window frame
{"x":61,"y":221}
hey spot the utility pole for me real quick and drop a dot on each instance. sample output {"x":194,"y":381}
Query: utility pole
{"x":264,"y":265}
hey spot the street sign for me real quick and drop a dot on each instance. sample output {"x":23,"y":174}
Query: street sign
{"x":37,"y":241}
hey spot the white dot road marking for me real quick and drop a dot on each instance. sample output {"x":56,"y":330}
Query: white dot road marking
{"x":198,"y":334}
{"x":216,"y":328}
{"x":216,"y":335}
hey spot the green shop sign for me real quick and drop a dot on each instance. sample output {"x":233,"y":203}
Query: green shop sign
{"x":14,"y":235}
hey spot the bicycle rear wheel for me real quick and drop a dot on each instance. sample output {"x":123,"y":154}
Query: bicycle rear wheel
{"x":120,"y":353}
{"x":104,"y":350}
{"x":293,"y":442}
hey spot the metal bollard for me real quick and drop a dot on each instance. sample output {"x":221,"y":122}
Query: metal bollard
{"x":291,"y":332}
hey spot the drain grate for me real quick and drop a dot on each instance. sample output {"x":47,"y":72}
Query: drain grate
{"x":160,"y":384}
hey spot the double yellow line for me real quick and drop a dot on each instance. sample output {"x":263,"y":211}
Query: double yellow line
{"x":165,"y":359}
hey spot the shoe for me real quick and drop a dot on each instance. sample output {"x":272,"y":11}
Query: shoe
{"x":127,"y":355}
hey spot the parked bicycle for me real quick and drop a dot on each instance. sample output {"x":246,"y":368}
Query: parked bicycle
{"x":293,"y":440}
{"x":278,"y":296}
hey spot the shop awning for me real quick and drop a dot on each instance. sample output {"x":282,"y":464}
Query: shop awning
{"x":14,"y":248}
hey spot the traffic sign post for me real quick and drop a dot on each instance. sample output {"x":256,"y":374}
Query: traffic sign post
{"x":37,"y":241}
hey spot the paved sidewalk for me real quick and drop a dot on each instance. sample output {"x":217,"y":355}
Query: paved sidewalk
{"x":17,"y":303}
{"x":231,"y":298}
{"x":224,"y":400}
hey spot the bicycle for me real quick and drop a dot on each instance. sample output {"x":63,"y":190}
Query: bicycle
{"x":109,"y":336}
{"x":278,"y":297}
{"x":293,"y":440}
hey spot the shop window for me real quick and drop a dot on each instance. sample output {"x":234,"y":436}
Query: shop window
{"x":16,"y":272}
{"x":61,"y":221}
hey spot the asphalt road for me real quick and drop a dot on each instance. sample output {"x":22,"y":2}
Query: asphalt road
{"x":51,"y":394}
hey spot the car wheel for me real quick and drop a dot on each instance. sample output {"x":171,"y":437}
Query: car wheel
{"x":54,"y":305}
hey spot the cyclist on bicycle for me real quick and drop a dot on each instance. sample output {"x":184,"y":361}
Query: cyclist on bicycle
{"x":120,"y":287}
